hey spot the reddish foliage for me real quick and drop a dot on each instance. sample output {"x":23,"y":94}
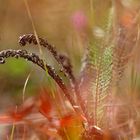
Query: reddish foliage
{"x":18,"y":114}
{"x":127,"y":19}
{"x":6,"y":119}
{"x":23,"y":111}
{"x":44,"y":104}
{"x":66,"y":120}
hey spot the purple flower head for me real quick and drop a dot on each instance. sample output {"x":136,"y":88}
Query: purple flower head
{"x":79,"y":20}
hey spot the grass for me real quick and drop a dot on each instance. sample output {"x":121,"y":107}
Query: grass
{"x":101,"y":101}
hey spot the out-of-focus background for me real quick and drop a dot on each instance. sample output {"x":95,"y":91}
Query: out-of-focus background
{"x":52,"y":20}
{"x":55,"y":20}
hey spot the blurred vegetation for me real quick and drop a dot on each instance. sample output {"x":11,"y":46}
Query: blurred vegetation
{"x":53,"y":20}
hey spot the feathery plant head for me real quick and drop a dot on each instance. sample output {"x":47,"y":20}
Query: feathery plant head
{"x":111,"y":46}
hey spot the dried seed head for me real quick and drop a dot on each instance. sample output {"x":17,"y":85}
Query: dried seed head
{"x":33,"y":58}
{"x":2,"y":61}
{"x":29,"y":38}
{"x":63,"y":60}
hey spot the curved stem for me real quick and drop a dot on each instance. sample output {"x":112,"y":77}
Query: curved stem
{"x":62,"y":59}
{"x":36,"y":60}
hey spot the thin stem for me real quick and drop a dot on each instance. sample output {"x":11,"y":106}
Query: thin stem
{"x":33,"y":25}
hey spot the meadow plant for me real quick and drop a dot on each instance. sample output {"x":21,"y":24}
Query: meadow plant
{"x":87,"y":107}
